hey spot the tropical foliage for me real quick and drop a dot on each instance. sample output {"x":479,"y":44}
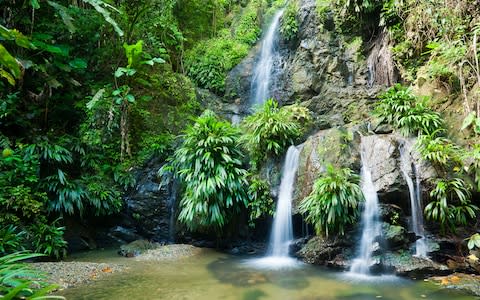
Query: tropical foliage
{"x":400,"y":108}
{"x":209,"y":163}
{"x":334,"y":201}
{"x":20,"y":281}
{"x":271,"y":129}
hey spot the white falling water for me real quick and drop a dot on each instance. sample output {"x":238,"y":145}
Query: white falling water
{"x":261,"y":81}
{"x":282,"y":232}
{"x":415,"y":202}
{"x":370,"y":221}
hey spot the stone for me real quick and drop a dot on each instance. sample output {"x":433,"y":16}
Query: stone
{"x":150,"y":206}
{"x":404,"y":264}
{"x":395,"y":236}
{"x":137,"y":247}
{"x":336,"y":146}
{"x":333,"y":252}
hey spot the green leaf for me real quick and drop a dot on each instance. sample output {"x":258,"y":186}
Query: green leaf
{"x":63,"y":12}
{"x":99,"y":6}
{"x":34,"y":4}
{"x":468,"y":121}
{"x":130,"y":98}
{"x":7,"y":76}
{"x":78,"y":63}
{"x":9,"y":62}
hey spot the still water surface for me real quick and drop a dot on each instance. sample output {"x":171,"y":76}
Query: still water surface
{"x":213,"y":275}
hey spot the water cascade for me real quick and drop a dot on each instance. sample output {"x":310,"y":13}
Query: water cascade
{"x":370,"y":221}
{"x":261,"y":80}
{"x":415,"y":201}
{"x":282,"y":232}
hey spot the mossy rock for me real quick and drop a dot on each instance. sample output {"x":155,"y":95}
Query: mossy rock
{"x":137,"y":247}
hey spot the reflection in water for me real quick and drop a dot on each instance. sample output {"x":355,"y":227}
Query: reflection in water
{"x":211,"y":275}
{"x":240,"y":274}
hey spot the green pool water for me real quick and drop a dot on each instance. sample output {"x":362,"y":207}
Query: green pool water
{"x":213,"y":275}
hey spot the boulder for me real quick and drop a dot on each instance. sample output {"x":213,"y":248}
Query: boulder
{"x":137,"y":247}
{"x":404,"y":264}
{"x":336,"y":146}
{"x":334,"y":252}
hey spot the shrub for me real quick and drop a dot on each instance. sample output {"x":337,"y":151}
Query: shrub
{"x":48,"y":239}
{"x":209,"y":61}
{"x":260,"y":202}
{"x":271,"y":129}
{"x":247,"y":29}
{"x":289,"y":22}
{"x":451,"y":204}
{"x":333,"y":203}
{"x":400,"y":108}
{"x":209,"y":164}
{"x":440,"y":151}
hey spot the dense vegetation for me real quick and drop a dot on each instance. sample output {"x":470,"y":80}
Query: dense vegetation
{"x":88,"y":95}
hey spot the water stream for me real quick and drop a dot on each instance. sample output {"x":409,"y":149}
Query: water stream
{"x":211,"y":275}
{"x":282,"y":232}
{"x":262,"y":75}
{"x":370,"y":221}
{"x":408,"y":168}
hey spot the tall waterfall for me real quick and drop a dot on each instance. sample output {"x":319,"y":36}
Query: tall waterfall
{"x":370,"y":221}
{"x":261,"y":81}
{"x":282,"y":232}
{"x":415,"y":201}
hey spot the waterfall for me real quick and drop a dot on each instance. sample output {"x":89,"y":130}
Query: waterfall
{"x":282,"y":232}
{"x":370,"y":221}
{"x":261,"y":81}
{"x":415,"y":201}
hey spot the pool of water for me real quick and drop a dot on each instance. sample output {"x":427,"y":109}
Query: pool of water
{"x":213,"y":275}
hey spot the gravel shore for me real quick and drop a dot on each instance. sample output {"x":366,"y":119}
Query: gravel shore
{"x":69,"y":274}
{"x":73,"y":273}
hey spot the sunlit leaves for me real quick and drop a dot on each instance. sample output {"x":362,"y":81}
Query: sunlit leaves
{"x":400,"y":108}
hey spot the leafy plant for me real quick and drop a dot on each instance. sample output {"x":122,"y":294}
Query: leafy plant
{"x":209,"y":164}
{"x":209,"y":61}
{"x":474,"y":241}
{"x":439,"y":150}
{"x":19,"y":281}
{"x":333,"y":203}
{"x":10,"y":239}
{"x":289,"y":23}
{"x":260,"y":202}
{"x":451,"y":205}
{"x":271,"y":129}
{"x":48,"y":239}
{"x":471,"y":120}
{"x":400,"y":108}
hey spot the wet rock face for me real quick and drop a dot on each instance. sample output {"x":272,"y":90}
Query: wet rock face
{"x":324,"y":70}
{"x":340,"y":147}
{"x":150,"y":204}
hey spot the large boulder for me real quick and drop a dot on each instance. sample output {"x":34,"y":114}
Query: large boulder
{"x":335,"y":252}
{"x":335,"y":146}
